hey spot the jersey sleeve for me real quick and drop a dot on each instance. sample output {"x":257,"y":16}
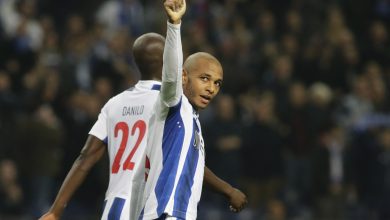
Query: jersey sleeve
{"x":171,"y":88}
{"x":99,"y":129}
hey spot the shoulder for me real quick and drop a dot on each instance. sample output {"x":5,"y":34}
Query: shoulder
{"x":118,"y":97}
{"x":115,"y":99}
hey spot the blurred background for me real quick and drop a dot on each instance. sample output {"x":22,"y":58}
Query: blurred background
{"x":302,"y":125}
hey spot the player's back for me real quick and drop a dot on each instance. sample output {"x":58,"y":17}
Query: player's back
{"x":123,"y":125}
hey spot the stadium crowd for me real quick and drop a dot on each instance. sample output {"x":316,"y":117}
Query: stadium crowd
{"x":302,"y":126}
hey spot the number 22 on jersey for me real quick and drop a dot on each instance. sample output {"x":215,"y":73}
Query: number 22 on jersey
{"x":124,"y":128}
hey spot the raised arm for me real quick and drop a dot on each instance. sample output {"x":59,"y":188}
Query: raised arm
{"x":171,"y":89}
{"x":90,"y":154}
{"x":237,"y":199}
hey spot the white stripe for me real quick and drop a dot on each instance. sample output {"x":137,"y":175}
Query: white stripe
{"x":188,"y":126}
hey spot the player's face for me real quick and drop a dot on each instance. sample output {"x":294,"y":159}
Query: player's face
{"x":202,"y":83}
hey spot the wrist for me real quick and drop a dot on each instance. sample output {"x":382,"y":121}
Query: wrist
{"x":56,"y":214}
{"x":57,"y":211}
{"x":174,"y":26}
{"x":229,"y":191}
{"x":176,"y":22}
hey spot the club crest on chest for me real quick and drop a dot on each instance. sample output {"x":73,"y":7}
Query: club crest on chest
{"x":198,"y":141}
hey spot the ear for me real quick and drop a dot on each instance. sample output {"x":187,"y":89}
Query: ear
{"x":184,"y":76}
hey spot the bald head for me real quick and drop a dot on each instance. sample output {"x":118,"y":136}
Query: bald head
{"x":202,"y":79}
{"x":193,"y":60}
{"x":148,"y":52}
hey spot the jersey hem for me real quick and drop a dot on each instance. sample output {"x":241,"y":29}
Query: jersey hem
{"x":174,"y":213}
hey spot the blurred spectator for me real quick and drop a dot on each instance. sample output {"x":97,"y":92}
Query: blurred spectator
{"x":337,"y":36}
{"x":264,"y":43}
{"x":118,"y":66}
{"x":278,"y":79}
{"x":76,"y":65}
{"x":224,"y":149}
{"x":12,"y":197}
{"x":330,"y":174}
{"x":383,"y":173}
{"x":41,"y":159}
{"x":155,"y":17}
{"x":377,"y":44}
{"x":224,"y":146}
{"x":275,"y":210}
{"x":356,"y":104}
{"x":224,"y":140}
{"x":378,"y":86}
{"x":122,"y":14}
{"x":50,"y":52}
{"x":262,"y":153}
{"x":299,"y":145}
{"x":371,"y":169}
{"x":8,"y":111}
{"x":320,"y":108}
{"x":18,"y":19}
{"x":382,"y":9}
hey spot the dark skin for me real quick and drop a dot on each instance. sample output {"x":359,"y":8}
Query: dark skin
{"x":202,"y":79}
{"x":148,"y":54}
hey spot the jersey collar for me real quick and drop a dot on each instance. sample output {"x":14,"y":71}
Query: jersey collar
{"x":195,"y":113}
{"x":148,"y":85}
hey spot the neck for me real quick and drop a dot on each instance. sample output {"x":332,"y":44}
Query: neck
{"x":196,"y":109}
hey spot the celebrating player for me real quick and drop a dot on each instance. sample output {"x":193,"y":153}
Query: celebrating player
{"x":175,"y":146}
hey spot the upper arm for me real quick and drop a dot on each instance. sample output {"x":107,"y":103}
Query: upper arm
{"x":92,"y":152}
{"x":99,"y":129}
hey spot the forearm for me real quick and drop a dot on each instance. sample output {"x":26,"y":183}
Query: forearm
{"x":91,"y":153}
{"x":171,"y":89}
{"x":71,"y":183}
{"x":237,"y":199}
{"x":216,"y":184}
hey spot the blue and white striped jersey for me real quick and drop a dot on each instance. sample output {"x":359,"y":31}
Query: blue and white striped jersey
{"x":175,"y":145}
{"x":123,"y":126}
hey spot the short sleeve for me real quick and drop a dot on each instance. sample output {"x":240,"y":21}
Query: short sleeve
{"x":99,"y":129}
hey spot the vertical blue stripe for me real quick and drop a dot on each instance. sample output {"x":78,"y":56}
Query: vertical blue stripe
{"x":116,"y":209}
{"x":105,"y":140}
{"x":141,"y":216}
{"x":172,"y":143}
{"x":156,"y":87}
{"x":183,"y":190}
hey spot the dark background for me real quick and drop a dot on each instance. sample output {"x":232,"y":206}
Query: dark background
{"x":302,"y":124}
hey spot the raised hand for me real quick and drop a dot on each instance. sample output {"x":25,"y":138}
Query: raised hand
{"x":175,"y":10}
